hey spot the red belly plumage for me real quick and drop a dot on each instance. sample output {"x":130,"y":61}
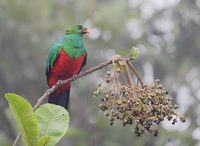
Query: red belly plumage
{"x":64,"y":68}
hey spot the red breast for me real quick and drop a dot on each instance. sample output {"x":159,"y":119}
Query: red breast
{"x":64,"y":68}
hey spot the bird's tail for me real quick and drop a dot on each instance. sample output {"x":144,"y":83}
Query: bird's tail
{"x":62,"y":99}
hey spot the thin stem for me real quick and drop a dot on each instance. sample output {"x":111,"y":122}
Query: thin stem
{"x":17,"y":140}
{"x":124,"y":78}
{"x":129,"y":74}
{"x":136,"y":73}
{"x":115,"y":76}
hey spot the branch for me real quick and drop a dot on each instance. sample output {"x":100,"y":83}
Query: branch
{"x":135,"y":72}
{"x":17,"y":140}
{"x":61,"y":82}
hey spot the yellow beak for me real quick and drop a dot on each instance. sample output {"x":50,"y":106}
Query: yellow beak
{"x":86,"y":30}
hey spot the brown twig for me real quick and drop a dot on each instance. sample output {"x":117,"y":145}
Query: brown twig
{"x":135,"y":72}
{"x":17,"y":140}
{"x":129,"y":74}
{"x":61,"y":82}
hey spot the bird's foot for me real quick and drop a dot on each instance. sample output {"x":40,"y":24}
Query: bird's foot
{"x":60,"y":83}
{"x":74,"y":77}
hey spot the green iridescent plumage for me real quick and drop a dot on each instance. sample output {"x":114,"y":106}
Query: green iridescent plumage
{"x":72,"y":43}
{"x":74,"y":46}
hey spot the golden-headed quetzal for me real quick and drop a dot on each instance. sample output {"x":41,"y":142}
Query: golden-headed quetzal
{"x":66,"y":59}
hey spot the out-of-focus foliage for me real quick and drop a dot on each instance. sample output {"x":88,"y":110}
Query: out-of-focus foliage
{"x":167,"y":34}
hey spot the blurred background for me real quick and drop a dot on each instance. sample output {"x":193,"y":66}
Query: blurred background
{"x":167,"y":34}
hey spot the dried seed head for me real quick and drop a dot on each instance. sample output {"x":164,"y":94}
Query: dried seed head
{"x":108,"y":80}
{"x":176,"y":106}
{"x":157,"y":81}
{"x":118,"y":70}
{"x":147,"y":105}
{"x":169,"y":117}
{"x":182,"y":119}
{"x":108,"y":73}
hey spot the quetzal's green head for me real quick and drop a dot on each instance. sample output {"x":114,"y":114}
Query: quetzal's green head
{"x":77,"y":29}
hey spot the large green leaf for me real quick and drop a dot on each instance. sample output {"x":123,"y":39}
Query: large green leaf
{"x":25,"y":117}
{"x":53,"y":122}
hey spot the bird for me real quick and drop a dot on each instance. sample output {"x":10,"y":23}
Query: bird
{"x":66,"y":58}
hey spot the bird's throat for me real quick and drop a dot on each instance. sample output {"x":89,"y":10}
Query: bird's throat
{"x":74,"y":45}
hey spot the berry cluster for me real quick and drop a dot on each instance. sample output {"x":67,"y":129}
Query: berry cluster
{"x":144,"y":105}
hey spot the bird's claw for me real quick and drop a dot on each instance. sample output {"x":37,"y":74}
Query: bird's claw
{"x":60,"y":83}
{"x":74,"y":77}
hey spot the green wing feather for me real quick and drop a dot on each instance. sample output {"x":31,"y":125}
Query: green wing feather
{"x":53,"y":54}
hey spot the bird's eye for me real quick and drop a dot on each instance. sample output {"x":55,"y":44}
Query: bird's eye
{"x":80,"y":27}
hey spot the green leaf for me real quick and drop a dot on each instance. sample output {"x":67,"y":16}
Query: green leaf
{"x":25,"y":117}
{"x":44,"y":141}
{"x":134,"y":52}
{"x":53,"y":122}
